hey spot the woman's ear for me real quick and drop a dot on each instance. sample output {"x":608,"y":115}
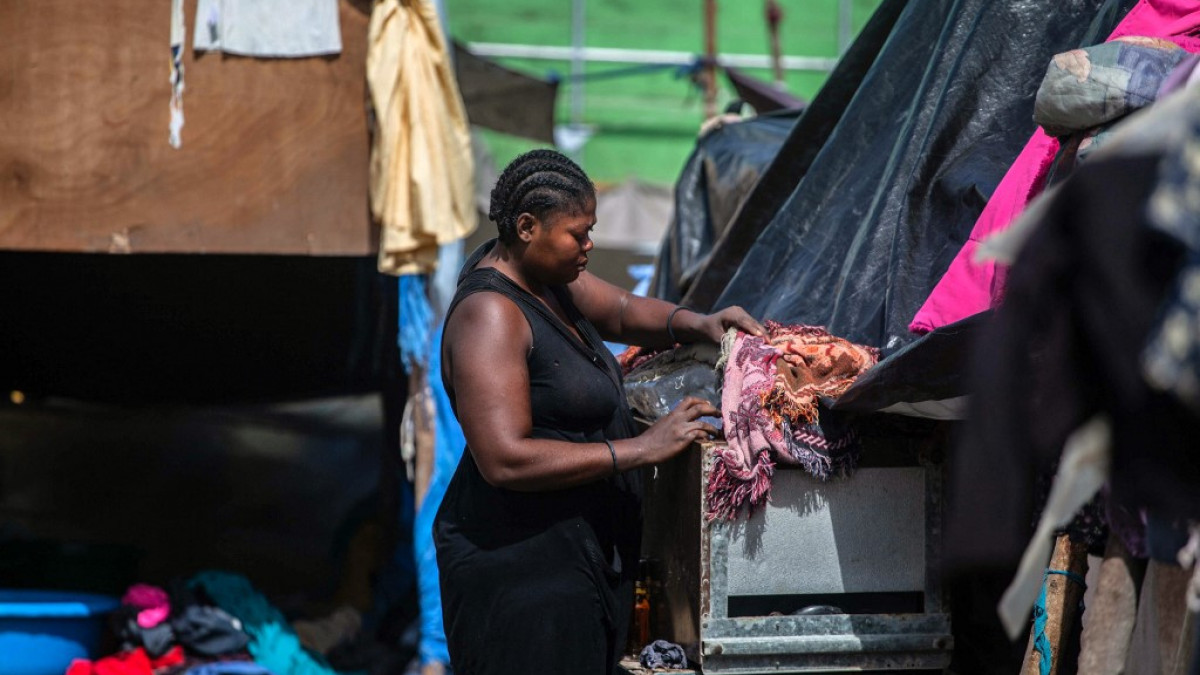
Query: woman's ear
{"x":526,"y":222}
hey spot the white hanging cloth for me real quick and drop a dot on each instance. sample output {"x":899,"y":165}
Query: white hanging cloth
{"x":175,"y":126}
{"x":268,"y":28}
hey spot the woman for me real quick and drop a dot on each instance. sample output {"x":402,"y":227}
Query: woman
{"x":539,"y":531}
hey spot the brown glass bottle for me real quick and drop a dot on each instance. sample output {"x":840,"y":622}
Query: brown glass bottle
{"x":639,"y":632}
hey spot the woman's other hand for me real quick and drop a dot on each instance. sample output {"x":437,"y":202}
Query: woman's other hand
{"x":681,"y":427}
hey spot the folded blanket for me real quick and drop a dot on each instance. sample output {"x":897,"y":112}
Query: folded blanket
{"x":771,"y":406}
{"x":1084,"y":88}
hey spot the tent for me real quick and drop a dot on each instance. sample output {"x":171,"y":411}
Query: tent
{"x":726,"y":164}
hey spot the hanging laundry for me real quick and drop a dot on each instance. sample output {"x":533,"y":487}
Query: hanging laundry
{"x":1064,"y":347}
{"x":268,"y":28}
{"x":969,"y":287}
{"x":1171,"y":359}
{"x":175,"y":126}
{"x":772,"y":410}
{"x":422,"y":170}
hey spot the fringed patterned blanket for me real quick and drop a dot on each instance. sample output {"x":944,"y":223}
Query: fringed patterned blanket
{"x":771,"y":403}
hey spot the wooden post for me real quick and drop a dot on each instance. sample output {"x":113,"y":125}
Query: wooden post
{"x":774,"y":18}
{"x":1112,"y":611}
{"x":710,"y":58}
{"x":1063,"y":595}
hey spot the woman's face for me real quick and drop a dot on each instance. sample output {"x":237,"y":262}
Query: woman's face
{"x":559,"y":245}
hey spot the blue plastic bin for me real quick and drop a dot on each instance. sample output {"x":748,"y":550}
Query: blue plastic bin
{"x":42,"y":631}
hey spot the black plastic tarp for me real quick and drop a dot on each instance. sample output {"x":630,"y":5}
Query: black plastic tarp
{"x":932,"y":368}
{"x":718,"y":175}
{"x":893,"y":193}
{"x":794,"y":158}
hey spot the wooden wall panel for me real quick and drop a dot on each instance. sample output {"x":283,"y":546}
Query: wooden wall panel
{"x":274,"y":155}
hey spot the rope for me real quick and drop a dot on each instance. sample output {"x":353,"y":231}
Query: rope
{"x":680,"y":72}
{"x":1040,"y":642}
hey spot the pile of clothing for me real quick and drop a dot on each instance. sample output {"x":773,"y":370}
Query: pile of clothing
{"x":217,"y":623}
{"x":775,"y":407}
{"x":176,"y":633}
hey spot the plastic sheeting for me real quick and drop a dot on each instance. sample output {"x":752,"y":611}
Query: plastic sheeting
{"x":656,"y":387}
{"x":793,"y":160}
{"x":931,"y":371}
{"x":892,"y":195}
{"x":717,"y":176}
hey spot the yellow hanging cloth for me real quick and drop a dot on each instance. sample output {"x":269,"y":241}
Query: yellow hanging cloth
{"x":422,"y":174}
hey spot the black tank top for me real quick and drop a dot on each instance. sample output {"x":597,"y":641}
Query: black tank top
{"x":576,"y":394}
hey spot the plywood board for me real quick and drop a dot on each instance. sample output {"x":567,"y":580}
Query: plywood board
{"x":274,"y":154}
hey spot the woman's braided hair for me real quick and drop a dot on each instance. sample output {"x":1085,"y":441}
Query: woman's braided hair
{"x":538,"y":182}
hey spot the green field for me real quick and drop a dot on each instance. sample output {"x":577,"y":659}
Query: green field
{"x":646,"y":124}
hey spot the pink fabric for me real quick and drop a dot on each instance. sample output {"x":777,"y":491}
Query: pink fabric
{"x":153,"y":602}
{"x":969,"y":288}
{"x":769,"y":411}
{"x":743,"y":468}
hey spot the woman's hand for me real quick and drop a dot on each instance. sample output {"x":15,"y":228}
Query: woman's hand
{"x":714,"y":325}
{"x":673,"y":433}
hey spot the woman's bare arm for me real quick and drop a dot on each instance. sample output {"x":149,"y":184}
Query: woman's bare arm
{"x":487,"y":340}
{"x":624,"y":317}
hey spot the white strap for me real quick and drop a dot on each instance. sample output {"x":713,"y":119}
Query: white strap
{"x":175,"y":126}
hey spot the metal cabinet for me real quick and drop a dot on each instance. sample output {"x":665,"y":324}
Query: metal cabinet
{"x":829,"y":575}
